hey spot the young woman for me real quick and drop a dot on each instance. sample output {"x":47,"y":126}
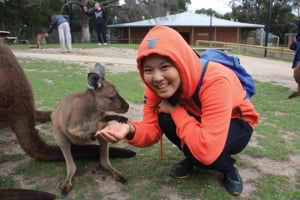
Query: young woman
{"x":209,"y":135}
{"x":100,"y":19}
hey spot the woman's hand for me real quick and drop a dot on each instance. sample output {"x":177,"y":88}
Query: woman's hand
{"x":166,"y":107}
{"x":115,"y":132}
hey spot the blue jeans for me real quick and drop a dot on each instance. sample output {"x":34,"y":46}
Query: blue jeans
{"x":239,"y":135}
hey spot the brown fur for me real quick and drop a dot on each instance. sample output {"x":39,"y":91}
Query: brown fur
{"x":24,"y":194}
{"x":78,"y":116}
{"x":17,"y":111}
{"x":40,"y":40}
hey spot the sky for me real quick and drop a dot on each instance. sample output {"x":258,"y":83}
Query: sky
{"x":220,"y":6}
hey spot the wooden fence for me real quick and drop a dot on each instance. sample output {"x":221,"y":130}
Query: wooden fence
{"x":256,"y":50}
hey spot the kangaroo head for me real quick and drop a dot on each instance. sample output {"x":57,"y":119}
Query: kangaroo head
{"x":106,"y":95}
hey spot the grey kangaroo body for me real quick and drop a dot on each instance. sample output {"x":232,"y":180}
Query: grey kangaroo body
{"x":77,"y":117}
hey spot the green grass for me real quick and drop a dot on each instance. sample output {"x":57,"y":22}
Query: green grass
{"x":54,"y":80}
{"x":6,"y":158}
{"x":277,"y":138}
{"x":53,"y":174}
{"x":278,"y":132}
{"x":129,"y":85}
{"x":8,"y":182}
{"x":278,"y":187}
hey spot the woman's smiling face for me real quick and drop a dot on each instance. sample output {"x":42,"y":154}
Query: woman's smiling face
{"x":161,"y":75}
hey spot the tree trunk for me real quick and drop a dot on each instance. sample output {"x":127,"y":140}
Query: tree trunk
{"x":86,"y":37}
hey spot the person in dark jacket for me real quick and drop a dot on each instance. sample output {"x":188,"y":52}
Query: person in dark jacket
{"x":63,"y":24}
{"x":298,"y":29}
{"x":100,"y":18}
{"x":296,"y":61}
{"x":296,"y":68}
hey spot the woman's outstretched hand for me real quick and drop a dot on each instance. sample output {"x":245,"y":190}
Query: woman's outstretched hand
{"x":165,"y":107}
{"x":114,"y":132}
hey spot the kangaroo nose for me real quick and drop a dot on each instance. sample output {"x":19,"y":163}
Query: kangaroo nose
{"x":125,"y":107}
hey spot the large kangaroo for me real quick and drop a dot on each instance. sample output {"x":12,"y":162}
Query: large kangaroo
{"x":17,"y":111}
{"x":79,"y":115}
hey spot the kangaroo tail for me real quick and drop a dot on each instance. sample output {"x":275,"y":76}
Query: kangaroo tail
{"x":42,"y":116}
{"x":25,"y":194}
{"x":80,"y":152}
{"x":91,"y":152}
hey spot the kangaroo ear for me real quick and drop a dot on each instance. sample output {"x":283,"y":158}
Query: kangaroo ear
{"x":99,"y":69}
{"x":94,"y":81}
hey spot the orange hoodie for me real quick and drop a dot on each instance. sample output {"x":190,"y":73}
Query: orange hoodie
{"x":220,"y":94}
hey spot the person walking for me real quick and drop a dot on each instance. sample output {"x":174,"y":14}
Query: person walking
{"x":100,"y":18}
{"x":208,"y":135}
{"x":63,"y":24}
{"x":295,"y":45}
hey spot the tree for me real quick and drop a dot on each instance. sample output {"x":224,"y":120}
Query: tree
{"x":209,"y":12}
{"x":255,"y":11}
{"x":77,"y":6}
{"x":134,"y":10}
{"x":35,"y":15}
{"x":22,"y":17}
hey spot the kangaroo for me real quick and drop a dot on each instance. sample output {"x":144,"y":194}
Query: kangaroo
{"x":25,"y":194}
{"x":40,"y":40}
{"x":17,"y":111}
{"x":79,"y":115}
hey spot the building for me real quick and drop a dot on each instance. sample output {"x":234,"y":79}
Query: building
{"x":191,"y":26}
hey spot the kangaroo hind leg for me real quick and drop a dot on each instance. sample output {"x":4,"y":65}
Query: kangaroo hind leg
{"x":105,"y":162}
{"x":65,"y":147}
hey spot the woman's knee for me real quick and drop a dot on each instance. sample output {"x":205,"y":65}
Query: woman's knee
{"x":239,"y":135}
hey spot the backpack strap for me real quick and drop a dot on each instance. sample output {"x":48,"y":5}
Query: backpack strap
{"x":196,"y":99}
{"x":196,"y":93}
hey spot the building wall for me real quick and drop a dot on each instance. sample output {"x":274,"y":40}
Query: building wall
{"x":191,"y":34}
{"x":228,"y":35}
{"x":137,"y":34}
{"x":202,"y":33}
{"x":217,"y":34}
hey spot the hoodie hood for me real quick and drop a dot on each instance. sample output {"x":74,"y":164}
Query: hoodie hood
{"x":167,"y":42}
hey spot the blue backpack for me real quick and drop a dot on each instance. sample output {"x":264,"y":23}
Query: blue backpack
{"x":233,"y":62}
